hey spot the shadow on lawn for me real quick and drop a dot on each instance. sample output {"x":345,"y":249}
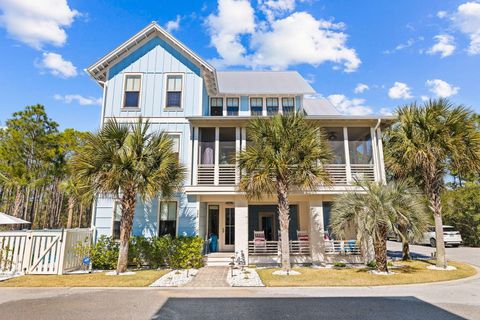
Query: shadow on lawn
{"x":329,"y":308}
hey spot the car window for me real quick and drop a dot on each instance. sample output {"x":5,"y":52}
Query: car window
{"x":448,"y":229}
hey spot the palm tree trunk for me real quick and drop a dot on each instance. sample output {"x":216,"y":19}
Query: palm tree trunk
{"x":80,"y":214}
{"x":380,"y":247}
{"x":284,"y":218}
{"x":436,"y":206}
{"x":71,"y":206}
{"x":128,"y":210}
{"x":406,"y":251}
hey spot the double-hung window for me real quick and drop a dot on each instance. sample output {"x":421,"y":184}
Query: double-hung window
{"x":168,"y":218}
{"x":175,"y":144}
{"x":256,"y":106}
{"x":132,"y":91}
{"x":288,"y":105}
{"x":232,"y":106}
{"x":174,"y":91}
{"x":216,"y":106}
{"x":117,"y":218}
{"x":272,"y":106}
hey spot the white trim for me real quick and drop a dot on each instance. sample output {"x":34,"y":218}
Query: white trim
{"x":182,"y":99}
{"x":195,"y":156}
{"x":180,"y":135}
{"x":217,"y":156}
{"x":347,"y":155}
{"x":180,"y":120}
{"x":125,"y":75}
{"x":115,"y":203}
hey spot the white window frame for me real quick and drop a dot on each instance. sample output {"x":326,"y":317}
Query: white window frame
{"x":225,"y":108}
{"x":250,"y":104}
{"x":210,"y":105}
{"x":125,"y":75}
{"x":165,"y":84}
{"x":294,"y":103}
{"x":279,"y":99}
{"x":159,"y":213}
{"x":179,"y":134}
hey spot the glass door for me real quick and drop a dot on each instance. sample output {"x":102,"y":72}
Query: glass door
{"x":229,"y":229}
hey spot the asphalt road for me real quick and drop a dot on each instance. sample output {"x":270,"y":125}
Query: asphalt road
{"x":448,"y":300}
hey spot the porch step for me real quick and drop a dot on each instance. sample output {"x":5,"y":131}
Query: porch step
{"x":218,"y":259}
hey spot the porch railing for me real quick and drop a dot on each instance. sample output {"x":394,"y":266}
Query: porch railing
{"x":339,"y":173}
{"x":342,"y":247}
{"x":267,"y":248}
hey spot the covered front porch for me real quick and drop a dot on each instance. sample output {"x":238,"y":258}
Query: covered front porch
{"x":252,"y":229}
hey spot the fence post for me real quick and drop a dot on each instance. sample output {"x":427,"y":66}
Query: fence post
{"x":63,"y":242}
{"x":27,"y":256}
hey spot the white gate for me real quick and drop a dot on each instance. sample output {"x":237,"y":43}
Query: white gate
{"x":41,"y":251}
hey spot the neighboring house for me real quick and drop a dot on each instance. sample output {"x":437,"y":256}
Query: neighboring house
{"x":205,"y":111}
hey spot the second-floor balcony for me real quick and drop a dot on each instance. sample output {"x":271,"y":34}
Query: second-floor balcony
{"x":356,"y":155}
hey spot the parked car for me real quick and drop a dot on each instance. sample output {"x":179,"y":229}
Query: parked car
{"x":451,"y":237}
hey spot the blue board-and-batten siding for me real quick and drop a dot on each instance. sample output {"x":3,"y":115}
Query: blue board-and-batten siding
{"x":154,"y":60}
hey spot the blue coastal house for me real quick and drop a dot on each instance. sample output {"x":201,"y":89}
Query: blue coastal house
{"x":205,"y":111}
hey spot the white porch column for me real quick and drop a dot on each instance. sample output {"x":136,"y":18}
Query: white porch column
{"x":376,"y":166}
{"x":195,"y":156}
{"x":217,"y":156}
{"x":380,"y":157}
{"x":317,"y":242}
{"x":241,"y":228}
{"x":237,"y":149}
{"x":347,"y":155}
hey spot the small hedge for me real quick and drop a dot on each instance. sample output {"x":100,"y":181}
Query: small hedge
{"x":175,"y":253}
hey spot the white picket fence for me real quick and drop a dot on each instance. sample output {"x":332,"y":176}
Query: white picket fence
{"x":41,"y":251}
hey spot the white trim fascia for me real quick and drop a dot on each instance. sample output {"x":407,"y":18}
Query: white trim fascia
{"x":127,"y":119}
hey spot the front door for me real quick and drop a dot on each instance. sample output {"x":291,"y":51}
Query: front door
{"x":267,"y":224}
{"x":227,"y":237}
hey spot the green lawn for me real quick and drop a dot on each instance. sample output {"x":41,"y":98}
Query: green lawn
{"x":142,"y":278}
{"x":411,"y":272}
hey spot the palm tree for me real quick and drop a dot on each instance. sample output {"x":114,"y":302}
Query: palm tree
{"x":286,"y":153}
{"x":374,"y":211}
{"x":425,"y":143}
{"x":128,"y":160}
{"x":412,"y":229}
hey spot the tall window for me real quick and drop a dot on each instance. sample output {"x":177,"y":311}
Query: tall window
{"x":256,"y":106}
{"x":206,"y":146}
{"x":132,"y":91}
{"x":288,"y":105}
{"x":232,"y":106}
{"x":337,"y":143}
{"x":216,"y":106}
{"x":168,"y":218}
{"x":176,"y":144}
{"x":174,"y":91}
{"x":272,"y":106}
{"x":117,"y":217}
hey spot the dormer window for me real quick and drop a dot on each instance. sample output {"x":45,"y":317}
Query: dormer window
{"x":174,"y":91}
{"x":216,"y":106}
{"x":272,"y":106}
{"x":288,"y":105}
{"x":256,"y":106}
{"x":132,"y":91}
{"x":232,"y":106}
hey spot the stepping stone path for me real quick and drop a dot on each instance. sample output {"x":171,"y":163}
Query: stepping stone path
{"x":210,"y":277}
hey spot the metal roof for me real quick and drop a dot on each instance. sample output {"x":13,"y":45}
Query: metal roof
{"x":262,"y":82}
{"x":319,"y":107}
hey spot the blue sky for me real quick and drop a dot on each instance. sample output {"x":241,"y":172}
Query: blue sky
{"x":364,"y":56}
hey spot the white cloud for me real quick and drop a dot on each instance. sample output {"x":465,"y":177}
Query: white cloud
{"x":386,"y":112}
{"x":173,"y":25}
{"x":81,"y":100}
{"x":467,"y":20}
{"x":442,"y":14}
{"x":445,"y":45}
{"x":239,"y":40}
{"x":37,"y":23}
{"x":424,"y":98}
{"x":56,"y":65}
{"x":361,"y":87}
{"x":441,"y":88}
{"x":349,"y":106}
{"x":409,"y":43}
{"x":399,"y":90}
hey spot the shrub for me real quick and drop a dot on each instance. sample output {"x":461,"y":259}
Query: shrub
{"x":339,"y":264}
{"x":372,"y":264}
{"x":185,"y":252}
{"x":103,"y":254}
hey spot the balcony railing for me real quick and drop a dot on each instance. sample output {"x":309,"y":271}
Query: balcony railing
{"x":340,"y":174}
{"x":269,"y":248}
{"x":342,"y":247}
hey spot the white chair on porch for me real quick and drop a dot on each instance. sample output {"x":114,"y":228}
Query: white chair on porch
{"x":259,"y":241}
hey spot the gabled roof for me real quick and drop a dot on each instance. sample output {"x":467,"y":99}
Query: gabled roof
{"x":262,"y":82}
{"x":98,"y":70}
{"x":319,"y":107}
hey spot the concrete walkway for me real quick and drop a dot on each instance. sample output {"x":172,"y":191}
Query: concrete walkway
{"x":210,"y":277}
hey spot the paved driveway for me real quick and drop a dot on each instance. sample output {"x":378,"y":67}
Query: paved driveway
{"x":464,"y":254}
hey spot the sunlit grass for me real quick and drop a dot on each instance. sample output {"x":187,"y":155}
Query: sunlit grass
{"x":141,"y":278}
{"x":410,"y":272}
